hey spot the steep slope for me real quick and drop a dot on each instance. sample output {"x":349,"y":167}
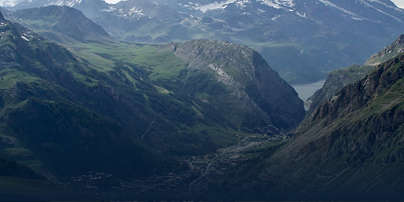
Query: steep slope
{"x":62,"y":24}
{"x":251,"y":81}
{"x":301,"y":39}
{"x":340,"y":78}
{"x":355,"y":135}
{"x":337,"y":80}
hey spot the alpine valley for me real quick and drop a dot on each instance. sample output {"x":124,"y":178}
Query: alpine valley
{"x":130,"y":101}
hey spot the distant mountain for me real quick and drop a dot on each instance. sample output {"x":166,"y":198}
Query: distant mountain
{"x":301,"y":39}
{"x":127,"y":112}
{"x":39,"y":3}
{"x":338,"y":79}
{"x":60,"y":23}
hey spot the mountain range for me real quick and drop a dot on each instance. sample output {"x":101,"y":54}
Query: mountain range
{"x":86,"y":116}
{"x":302,"y":40}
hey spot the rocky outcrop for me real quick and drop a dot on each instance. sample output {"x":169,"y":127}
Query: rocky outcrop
{"x":338,"y":79}
{"x":248,"y":77}
{"x":387,"y":53}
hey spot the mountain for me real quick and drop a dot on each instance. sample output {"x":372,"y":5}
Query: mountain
{"x":349,"y":148}
{"x":46,"y":103}
{"x":303,"y":40}
{"x":115,"y":116}
{"x":252,"y":81}
{"x":338,"y":79}
{"x":60,"y":23}
{"x":355,"y":135}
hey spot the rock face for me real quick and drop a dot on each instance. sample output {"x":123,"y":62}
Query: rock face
{"x":338,"y":79}
{"x":301,"y":38}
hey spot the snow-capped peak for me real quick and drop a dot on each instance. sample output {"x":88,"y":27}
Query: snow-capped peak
{"x":278,"y":4}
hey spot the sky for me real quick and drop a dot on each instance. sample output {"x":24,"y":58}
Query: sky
{"x":399,"y":3}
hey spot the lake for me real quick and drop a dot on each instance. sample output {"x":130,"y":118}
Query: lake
{"x":305,"y":91}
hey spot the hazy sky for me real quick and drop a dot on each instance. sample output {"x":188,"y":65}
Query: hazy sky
{"x":400,"y":3}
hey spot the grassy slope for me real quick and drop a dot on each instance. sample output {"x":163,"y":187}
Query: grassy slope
{"x":164,"y":70}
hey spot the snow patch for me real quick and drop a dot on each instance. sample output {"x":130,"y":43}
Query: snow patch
{"x":25,"y":38}
{"x":218,"y":5}
{"x":278,"y":4}
{"x":70,"y":3}
{"x":132,"y":12}
{"x":352,"y":14}
{"x":303,"y":15}
{"x":275,"y":18}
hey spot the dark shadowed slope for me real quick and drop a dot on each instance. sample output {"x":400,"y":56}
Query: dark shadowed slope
{"x":352,"y":143}
{"x":340,"y":78}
